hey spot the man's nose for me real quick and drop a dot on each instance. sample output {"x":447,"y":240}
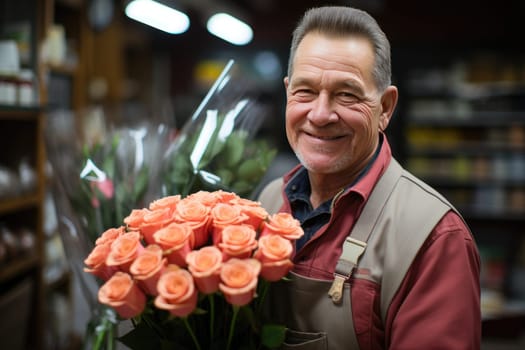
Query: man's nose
{"x":322,"y":111}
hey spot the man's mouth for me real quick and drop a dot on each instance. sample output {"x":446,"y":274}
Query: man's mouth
{"x":325,"y":137}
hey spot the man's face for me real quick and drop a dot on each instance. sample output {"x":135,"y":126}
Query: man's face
{"x":333,"y":106}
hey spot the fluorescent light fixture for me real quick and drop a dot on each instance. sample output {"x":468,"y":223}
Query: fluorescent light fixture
{"x":230,"y":29}
{"x":158,"y":16}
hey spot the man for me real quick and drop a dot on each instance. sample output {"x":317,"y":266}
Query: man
{"x":416,"y":283}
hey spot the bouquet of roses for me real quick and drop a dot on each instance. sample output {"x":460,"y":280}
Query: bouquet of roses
{"x":192,"y":272}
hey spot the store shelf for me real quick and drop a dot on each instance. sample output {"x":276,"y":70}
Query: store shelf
{"x":453,"y":117}
{"x":19,"y":266}
{"x":449,"y":181}
{"x":464,"y":149}
{"x":19,"y":203}
{"x":464,"y":134}
{"x":13,"y":112}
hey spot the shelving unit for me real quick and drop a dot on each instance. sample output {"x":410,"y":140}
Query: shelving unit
{"x":21,"y":212}
{"x":464,"y":132}
{"x":26,"y":289}
{"x":479,"y":161}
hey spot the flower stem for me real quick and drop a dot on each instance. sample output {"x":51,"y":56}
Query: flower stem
{"x":212,"y":316}
{"x":232,"y":325}
{"x":110,"y":340}
{"x":188,"y":327}
{"x":98,"y":340}
{"x":263,"y":292}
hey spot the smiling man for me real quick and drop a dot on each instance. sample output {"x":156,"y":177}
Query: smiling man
{"x":386,"y":262}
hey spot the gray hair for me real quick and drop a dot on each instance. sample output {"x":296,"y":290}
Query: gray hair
{"x":341,"y":21}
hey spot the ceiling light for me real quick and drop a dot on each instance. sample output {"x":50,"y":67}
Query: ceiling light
{"x":158,"y":16}
{"x":230,"y":29}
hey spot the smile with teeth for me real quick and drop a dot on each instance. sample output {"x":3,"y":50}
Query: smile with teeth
{"x":327,"y":137}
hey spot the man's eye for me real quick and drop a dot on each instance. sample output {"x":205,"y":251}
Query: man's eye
{"x":347,"y":96}
{"x":304,"y":92}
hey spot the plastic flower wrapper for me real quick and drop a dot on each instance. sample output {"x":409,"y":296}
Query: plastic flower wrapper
{"x":106,"y":169}
{"x":217,"y":148}
{"x":99,"y":172}
{"x":193,"y":272}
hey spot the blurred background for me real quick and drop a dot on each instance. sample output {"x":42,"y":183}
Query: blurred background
{"x":459,"y":125}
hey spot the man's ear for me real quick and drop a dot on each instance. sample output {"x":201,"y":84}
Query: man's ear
{"x":388,"y":105}
{"x":286,"y":81}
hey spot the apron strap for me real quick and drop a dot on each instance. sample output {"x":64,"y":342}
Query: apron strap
{"x":355,"y":244}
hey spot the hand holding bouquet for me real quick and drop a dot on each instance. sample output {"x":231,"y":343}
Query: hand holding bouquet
{"x":192,"y":272}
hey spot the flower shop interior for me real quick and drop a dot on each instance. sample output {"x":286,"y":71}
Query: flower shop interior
{"x":81,"y":76}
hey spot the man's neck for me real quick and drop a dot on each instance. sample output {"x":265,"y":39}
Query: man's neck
{"x":324,"y":187}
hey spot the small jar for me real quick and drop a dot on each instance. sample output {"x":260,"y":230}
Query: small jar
{"x":26,"y":88}
{"x":8,"y":90}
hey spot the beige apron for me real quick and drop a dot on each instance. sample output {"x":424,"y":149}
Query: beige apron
{"x":304,"y":307}
{"x":307,"y":305}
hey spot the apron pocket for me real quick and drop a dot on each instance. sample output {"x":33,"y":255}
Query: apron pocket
{"x":305,"y":340}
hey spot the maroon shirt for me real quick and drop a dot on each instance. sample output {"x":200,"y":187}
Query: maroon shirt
{"x":438,"y":303}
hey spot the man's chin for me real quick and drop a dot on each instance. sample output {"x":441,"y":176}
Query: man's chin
{"x":321,"y":168}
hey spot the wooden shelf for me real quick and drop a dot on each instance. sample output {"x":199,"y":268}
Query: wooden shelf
{"x":19,"y":266}
{"x":8,"y":112}
{"x":18,"y":203}
{"x":473,"y":119}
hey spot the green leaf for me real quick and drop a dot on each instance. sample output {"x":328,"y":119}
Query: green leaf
{"x":242,"y":188}
{"x":226,"y":176}
{"x":272,"y":335}
{"x":249,"y":169}
{"x":233,"y":149}
{"x":141,"y":184}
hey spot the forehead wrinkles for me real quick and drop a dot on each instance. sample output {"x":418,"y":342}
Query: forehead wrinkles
{"x":327,"y":77}
{"x":345,"y":65}
{"x":348,"y":54}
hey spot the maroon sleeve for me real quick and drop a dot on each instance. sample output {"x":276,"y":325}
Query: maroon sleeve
{"x":438,"y":303}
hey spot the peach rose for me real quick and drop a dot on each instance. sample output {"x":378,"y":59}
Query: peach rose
{"x":124,"y":250}
{"x":96,"y":262}
{"x":197,"y":216}
{"x":205,"y":265}
{"x":176,"y":240}
{"x":110,"y":235}
{"x":223,"y":215}
{"x":226,"y":214}
{"x":123,"y":295}
{"x":256,"y":215}
{"x":225,"y":196}
{"x":283,"y":224}
{"x":244,"y":202}
{"x":135,"y":219}
{"x":238,"y":241}
{"x":207,"y":198}
{"x":154,"y":220}
{"x":177,"y":292}
{"x":147,"y":268}
{"x":239,"y":280}
{"x":169,"y":202}
{"x":274,"y":253}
